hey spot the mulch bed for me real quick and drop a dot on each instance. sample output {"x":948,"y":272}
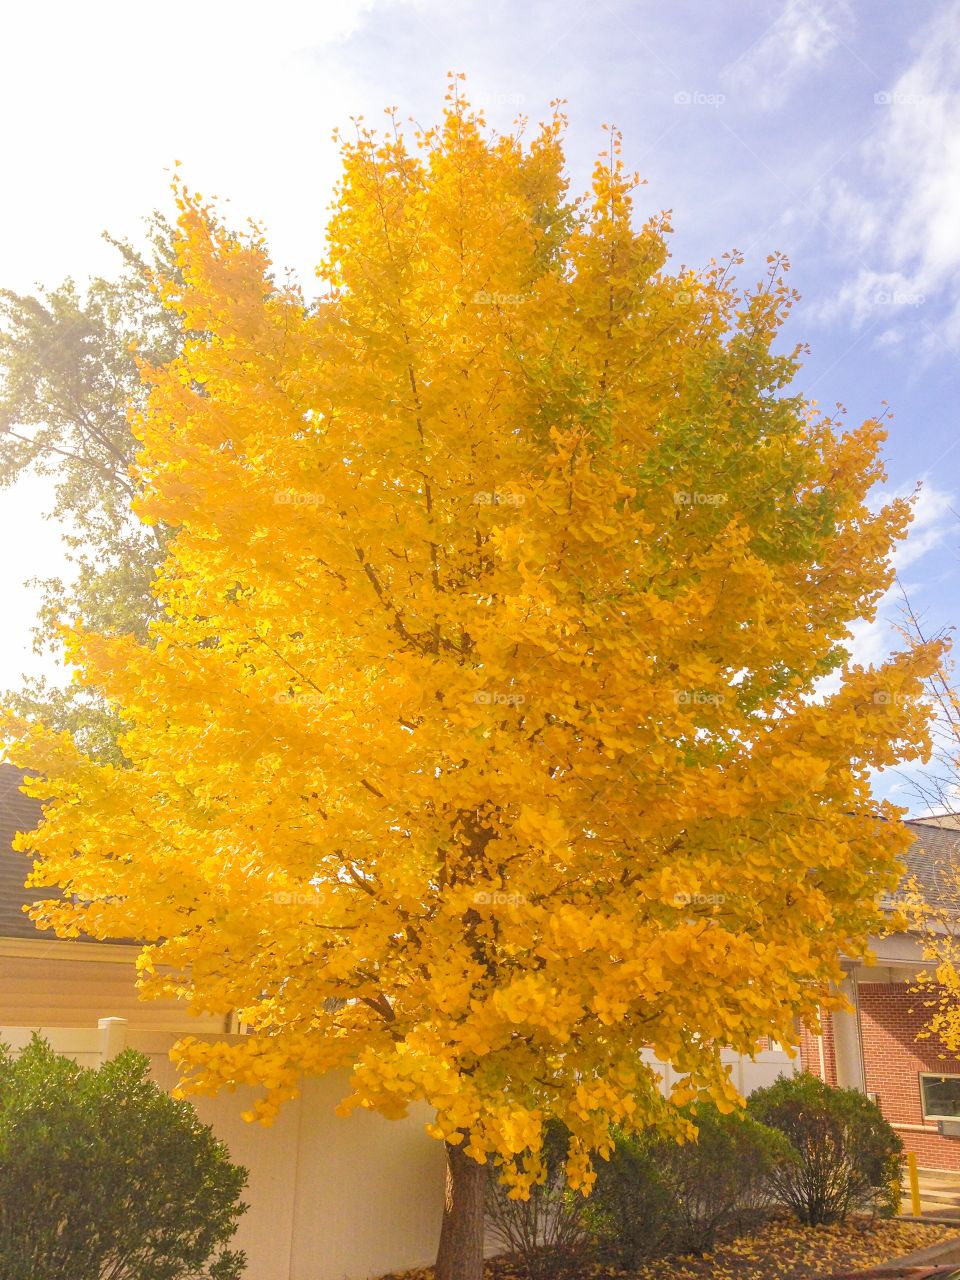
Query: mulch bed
{"x":781,"y":1250}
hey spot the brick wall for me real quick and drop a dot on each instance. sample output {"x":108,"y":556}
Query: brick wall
{"x":810,"y":1051}
{"x":891,"y":1017}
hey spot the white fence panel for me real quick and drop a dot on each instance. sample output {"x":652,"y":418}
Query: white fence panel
{"x":79,"y":1043}
{"x":747,"y":1074}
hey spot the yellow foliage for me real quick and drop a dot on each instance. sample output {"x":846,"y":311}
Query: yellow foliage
{"x":474,"y":749}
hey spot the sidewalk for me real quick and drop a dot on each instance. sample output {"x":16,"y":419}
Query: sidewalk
{"x":939,"y":1195}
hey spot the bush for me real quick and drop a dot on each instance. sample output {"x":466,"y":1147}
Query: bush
{"x":631,"y":1214}
{"x":848,"y":1155}
{"x":547,"y":1229}
{"x":102,"y":1175}
{"x":653,"y":1196}
{"x":656,"y":1196}
{"x":724,"y":1181}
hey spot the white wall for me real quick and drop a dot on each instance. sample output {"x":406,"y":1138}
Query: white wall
{"x":370,"y":1192}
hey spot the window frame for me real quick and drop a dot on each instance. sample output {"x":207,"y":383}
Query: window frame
{"x":935,"y":1075}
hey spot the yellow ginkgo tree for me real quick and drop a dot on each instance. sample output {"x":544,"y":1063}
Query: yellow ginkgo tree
{"x":477,"y":745}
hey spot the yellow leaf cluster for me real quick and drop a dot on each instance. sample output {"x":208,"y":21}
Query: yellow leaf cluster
{"x":474,"y":749}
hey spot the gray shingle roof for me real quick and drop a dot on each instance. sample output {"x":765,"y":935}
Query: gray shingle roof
{"x":17,"y":813}
{"x":933,"y":861}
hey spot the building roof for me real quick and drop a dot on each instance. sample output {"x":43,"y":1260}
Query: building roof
{"x":933,"y":863}
{"x":946,"y":818}
{"x":17,"y":813}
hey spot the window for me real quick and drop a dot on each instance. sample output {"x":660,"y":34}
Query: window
{"x":940,"y":1097}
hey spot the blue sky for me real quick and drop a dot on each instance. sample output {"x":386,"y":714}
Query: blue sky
{"x":827,"y":129}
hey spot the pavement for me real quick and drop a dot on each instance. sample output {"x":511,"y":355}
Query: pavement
{"x":939,"y":1195}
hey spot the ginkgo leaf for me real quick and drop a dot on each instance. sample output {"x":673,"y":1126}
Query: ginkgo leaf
{"x":475,"y":747}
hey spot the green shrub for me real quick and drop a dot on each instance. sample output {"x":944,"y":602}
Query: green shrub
{"x":656,"y":1196}
{"x":848,"y":1156}
{"x":103,"y":1176}
{"x":544,"y":1231}
{"x":725,"y":1180}
{"x":631,"y":1214}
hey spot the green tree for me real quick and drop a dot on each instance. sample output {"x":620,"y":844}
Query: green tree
{"x":69,"y":378}
{"x":103,"y":1176}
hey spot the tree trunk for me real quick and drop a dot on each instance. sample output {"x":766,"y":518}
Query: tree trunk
{"x":460,"y":1255}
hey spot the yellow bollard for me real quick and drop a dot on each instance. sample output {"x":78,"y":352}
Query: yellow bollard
{"x":914,"y":1184}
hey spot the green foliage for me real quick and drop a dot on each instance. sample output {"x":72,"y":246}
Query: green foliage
{"x":725,"y":1180}
{"x":545,"y":1230}
{"x":848,"y":1156}
{"x":630,"y":1214}
{"x":103,"y":1176}
{"x":68,"y":378}
{"x":656,"y":1196}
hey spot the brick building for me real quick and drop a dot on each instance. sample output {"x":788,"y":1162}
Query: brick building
{"x":875,"y":1047}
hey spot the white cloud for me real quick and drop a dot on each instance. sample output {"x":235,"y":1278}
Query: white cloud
{"x":935,"y":522}
{"x":899,"y":215}
{"x":800,"y":41}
